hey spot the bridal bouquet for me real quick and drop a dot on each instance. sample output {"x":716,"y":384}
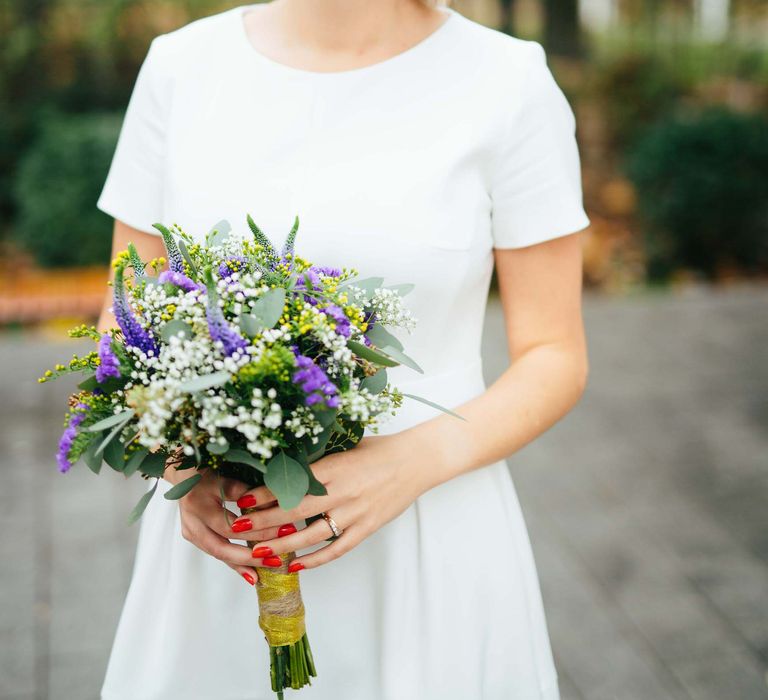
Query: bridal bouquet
{"x":242,"y":359}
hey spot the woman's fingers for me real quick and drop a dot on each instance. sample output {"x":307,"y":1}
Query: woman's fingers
{"x":249,"y":575}
{"x":256,"y":498}
{"x":313,"y":534}
{"x":347,"y":541}
{"x":275,"y":516}
{"x":200,"y":535}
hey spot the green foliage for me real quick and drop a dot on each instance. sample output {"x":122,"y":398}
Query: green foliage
{"x":59,"y":180}
{"x":702,"y":186}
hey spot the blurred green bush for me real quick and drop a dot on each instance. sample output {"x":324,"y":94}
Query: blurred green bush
{"x":58,"y":182}
{"x":702,"y":184}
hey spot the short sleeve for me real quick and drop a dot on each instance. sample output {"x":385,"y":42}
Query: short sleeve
{"x":536,"y":191}
{"x":133,"y":190}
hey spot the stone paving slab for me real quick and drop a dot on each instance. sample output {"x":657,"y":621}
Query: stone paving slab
{"x":645,"y":505}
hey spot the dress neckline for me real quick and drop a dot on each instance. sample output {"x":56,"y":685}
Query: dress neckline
{"x":391,"y":62}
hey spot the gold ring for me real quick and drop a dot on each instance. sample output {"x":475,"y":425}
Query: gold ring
{"x":337,"y":531}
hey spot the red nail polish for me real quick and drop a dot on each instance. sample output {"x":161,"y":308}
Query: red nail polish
{"x":249,"y":578}
{"x":241,"y":525}
{"x":287,"y":529}
{"x":272,"y":561}
{"x":260,"y":552}
{"x":295,"y":566}
{"x":247,"y":501}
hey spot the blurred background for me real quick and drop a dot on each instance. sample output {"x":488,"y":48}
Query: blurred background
{"x":646,"y":505}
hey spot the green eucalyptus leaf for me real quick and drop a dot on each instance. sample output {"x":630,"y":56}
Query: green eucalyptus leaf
{"x":111,"y":437}
{"x":402,"y":358}
{"x":187,"y":257}
{"x":250,"y":325}
{"x":207,"y":381}
{"x":114,"y":455}
{"x":243,"y":457}
{"x":375,"y":383}
{"x":219,"y":233}
{"x":268,"y":308}
{"x":369,"y":285}
{"x":316,"y":488}
{"x":182,"y":488}
{"x":402,"y":289}
{"x":141,"y":506}
{"x":92,"y":460}
{"x":174,"y":328}
{"x":370,"y":354}
{"x":435,"y":405}
{"x":382,"y":338}
{"x":154,"y":464}
{"x":110,"y":421}
{"x":134,"y":461}
{"x":88,"y":384}
{"x":287,"y":479}
{"x":216,"y":448}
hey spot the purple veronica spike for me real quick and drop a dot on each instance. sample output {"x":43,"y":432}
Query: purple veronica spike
{"x":314,"y":383}
{"x":68,"y":437}
{"x":180,"y":280}
{"x":135,"y":334}
{"x":108,"y":362}
{"x":218,"y":327}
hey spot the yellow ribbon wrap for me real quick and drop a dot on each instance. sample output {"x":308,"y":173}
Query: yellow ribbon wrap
{"x":281,"y":610}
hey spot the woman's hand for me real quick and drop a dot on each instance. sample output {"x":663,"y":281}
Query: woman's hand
{"x":206,"y":523}
{"x":367,"y":487}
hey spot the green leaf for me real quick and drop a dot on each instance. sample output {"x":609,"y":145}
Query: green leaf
{"x":375,"y":383}
{"x":187,"y":257}
{"x":134,"y":461}
{"x":109,"y":421}
{"x":402,"y":289}
{"x":174,"y":328}
{"x":402,"y":358}
{"x":114,"y":455}
{"x":318,"y":449}
{"x":250,"y":325}
{"x":219,"y":233}
{"x":370,"y":354}
{"x":287,"y":479}
{"x":88,"y":384}
{"x":369,"y":285}
{"x":141,"y":506}
{"x":207,"y":381}
{"x":243,"y":457}
{"x":435,"y":405}
{"x":111,"y":436}
{"x":182,"y":488}
{"x":216,"y":448}
{"x":325,"y":416}
{"x":91,"y":458}
{"x":316,"y":488}
{"x":381,"y":337}
{"x":154,"y":464}
{"x":268,"y":308}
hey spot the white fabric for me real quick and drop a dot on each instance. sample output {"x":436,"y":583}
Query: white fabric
{"x":414,"y":168}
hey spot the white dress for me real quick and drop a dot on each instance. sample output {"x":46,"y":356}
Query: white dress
{"x":413,"y":168}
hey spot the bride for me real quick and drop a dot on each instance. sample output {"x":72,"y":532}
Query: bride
{"x":415,"y":143}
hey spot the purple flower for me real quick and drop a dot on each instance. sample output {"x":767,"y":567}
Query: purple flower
{"x":108,"y":362}
{"x":343,"y":325}
{"x":180,"y":280}
{"x":135,"y":334}
{"x":218,"y":327}
{"x":314,"y":383}
{"x":236,"y":263}
{"x":68,"y":437}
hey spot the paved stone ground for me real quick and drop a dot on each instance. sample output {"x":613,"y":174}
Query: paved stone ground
{"x":646,"y":507}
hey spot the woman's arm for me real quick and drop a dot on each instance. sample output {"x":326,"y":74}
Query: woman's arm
{"x":540,"y":287}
